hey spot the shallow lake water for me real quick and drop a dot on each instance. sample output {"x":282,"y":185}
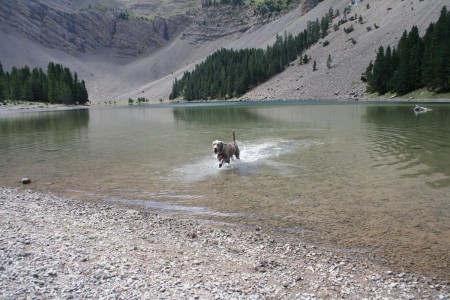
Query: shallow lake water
{"x":373,"y":179}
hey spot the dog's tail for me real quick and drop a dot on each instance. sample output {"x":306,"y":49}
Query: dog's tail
{"x":234,"y":138}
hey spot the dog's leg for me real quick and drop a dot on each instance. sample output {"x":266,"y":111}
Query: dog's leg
{"x":221,"y":160}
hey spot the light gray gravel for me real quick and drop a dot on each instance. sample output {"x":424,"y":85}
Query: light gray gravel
{"x":53,"y":248}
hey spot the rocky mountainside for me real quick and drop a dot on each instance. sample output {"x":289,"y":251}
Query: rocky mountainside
{"x":89,"y":29}
{"x":375,"y":23}
{"x":212,"y":23}
{"x":135,"y":48}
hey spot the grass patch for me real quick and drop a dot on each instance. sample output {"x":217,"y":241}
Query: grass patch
{"x":418,"y":94}
{"x":426,"y":94}
{"x":134,"y":16}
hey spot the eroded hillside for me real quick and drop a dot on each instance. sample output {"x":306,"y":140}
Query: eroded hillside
{"x":89,"y":26}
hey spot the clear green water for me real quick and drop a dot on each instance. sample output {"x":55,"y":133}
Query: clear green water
{"x":371,"y":178}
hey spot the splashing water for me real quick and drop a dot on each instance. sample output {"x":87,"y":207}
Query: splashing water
{"x":252,"y":156}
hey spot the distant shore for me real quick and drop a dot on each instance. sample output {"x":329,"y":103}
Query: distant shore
{"x":55,"y":248}
{"x":34,"y":106}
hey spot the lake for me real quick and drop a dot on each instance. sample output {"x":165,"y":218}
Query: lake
{"x":368,"y":178}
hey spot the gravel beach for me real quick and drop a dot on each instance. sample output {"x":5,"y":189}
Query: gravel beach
{"x":53,"y":248}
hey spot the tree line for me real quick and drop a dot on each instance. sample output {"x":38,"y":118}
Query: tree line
{"x":415,"y":63}
{"x":229,"y":73}
{"x":57,"y":85}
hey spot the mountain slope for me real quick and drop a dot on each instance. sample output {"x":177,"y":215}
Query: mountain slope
{"x":128,"y":61}
{"x":349,"y":60}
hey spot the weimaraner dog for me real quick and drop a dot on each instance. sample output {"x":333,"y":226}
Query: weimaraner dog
{"x":225,"y":151}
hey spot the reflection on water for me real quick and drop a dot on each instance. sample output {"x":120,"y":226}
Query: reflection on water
{"x":16,"y":129}
{"x":348,"y":176}
{"x":31,"y":144}
{"x":208,"y":115}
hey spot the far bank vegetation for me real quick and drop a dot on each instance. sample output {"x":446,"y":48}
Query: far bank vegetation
{"x":57,"y":85}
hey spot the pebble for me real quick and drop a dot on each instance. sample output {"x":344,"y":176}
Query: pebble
{"x":54,"y":248}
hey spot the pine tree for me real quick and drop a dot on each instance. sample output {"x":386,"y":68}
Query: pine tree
{"x":415,"y":58}
{"x":15,"y":85}
{"x":329,"y":61}
{"x":378,"y":80}
{"x":2,"y":83}
{"x":428,"y":68}
{"x":391,"y":63}
{"x":36,"y":86}
{"x":407,"y":75}
{"x":82,"y":94}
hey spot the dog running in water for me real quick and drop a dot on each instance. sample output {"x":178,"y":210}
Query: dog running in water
{"x":225,"y":151}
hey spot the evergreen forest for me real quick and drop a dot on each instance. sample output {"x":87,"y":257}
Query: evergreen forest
{"x":229,"y":73}
{"x":58,"y":85}
{"x":415,"y":63}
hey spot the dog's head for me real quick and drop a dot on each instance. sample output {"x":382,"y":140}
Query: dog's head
{"x":217,"y":146}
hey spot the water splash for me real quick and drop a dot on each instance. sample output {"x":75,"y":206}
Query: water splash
{"x":253,"y":156}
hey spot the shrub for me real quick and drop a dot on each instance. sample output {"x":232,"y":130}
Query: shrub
{"x":305,"y":59}
{"x":342,"y":21}
{"x":349,"y":29}
{"x":124,"y":15}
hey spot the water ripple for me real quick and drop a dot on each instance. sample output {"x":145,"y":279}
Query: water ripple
{"x":195,"y":210}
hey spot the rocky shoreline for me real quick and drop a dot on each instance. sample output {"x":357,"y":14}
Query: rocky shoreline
{"x":53,"y":248}
{"x":34,"y":106}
